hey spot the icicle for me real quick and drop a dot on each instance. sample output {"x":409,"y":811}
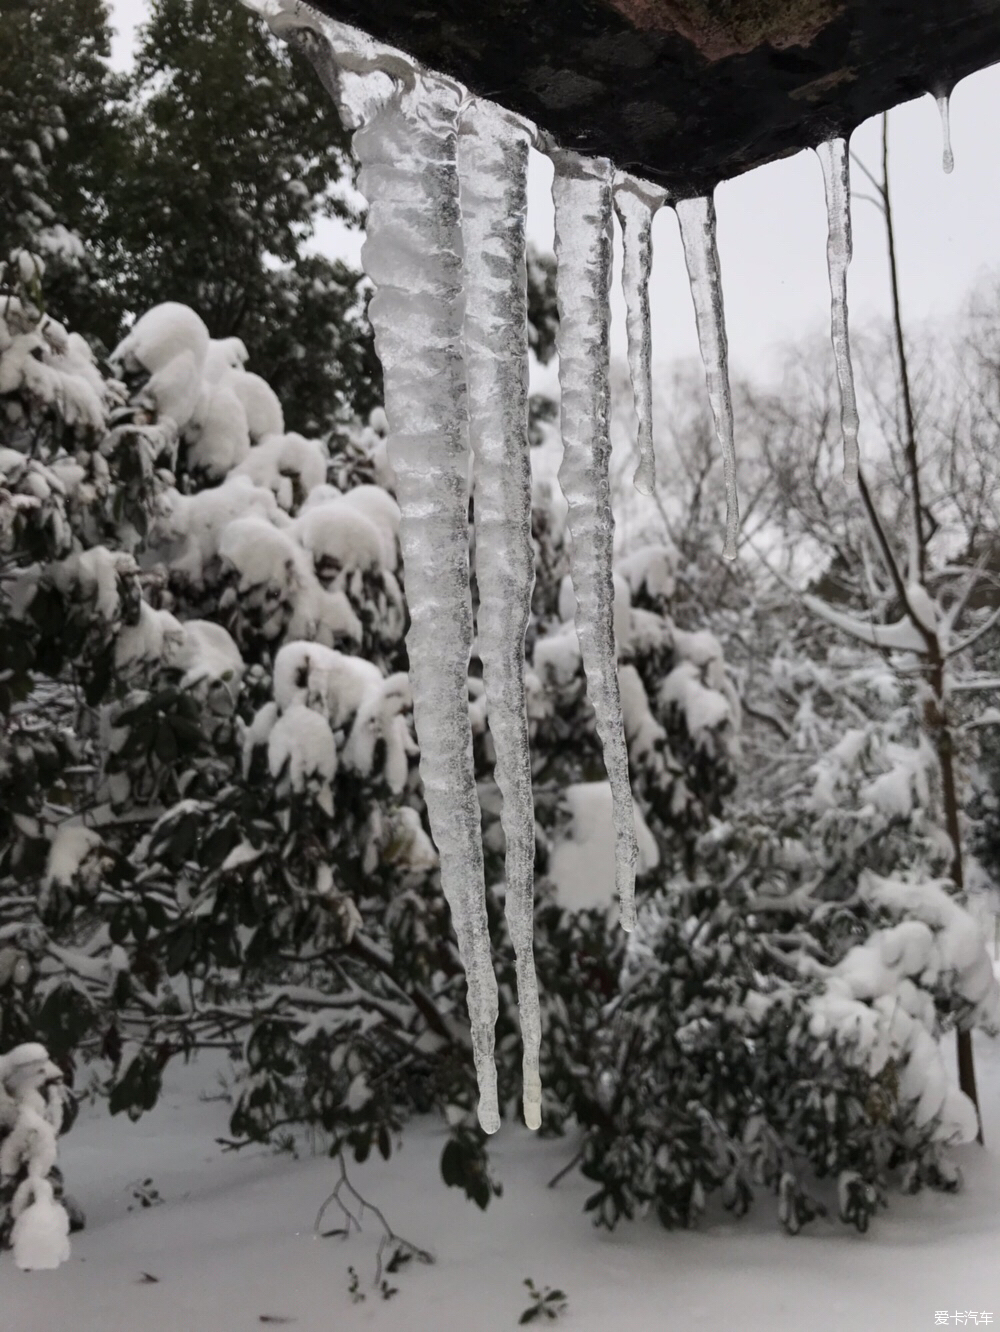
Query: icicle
{"x":493,"y":166}
{"x":636,"y":203}
{"x":581,"y":192}
{"x":413,"y":254}
{"x":836,"y":163}
{"x":943,"y":100}
{"x":697,"y":223}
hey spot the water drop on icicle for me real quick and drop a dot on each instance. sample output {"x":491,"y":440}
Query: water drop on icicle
{"x":636,"y":204}
{"x":581,"y":192}
{"x":493,"y":171}
{"x":412,"y":253}
{"x":943,"y":100}
{"x":836,"y":163}
{"x":701,"y":254}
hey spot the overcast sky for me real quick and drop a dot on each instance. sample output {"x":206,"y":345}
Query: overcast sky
{"x":772,"y":228}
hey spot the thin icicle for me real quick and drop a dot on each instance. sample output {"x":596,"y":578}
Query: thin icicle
{"x":701,"y":254}
{"x":493,"y":171}
{"x":636,"y":203}
{"x":581,"y":192}
{"x":836,"y":163}
{"x":943,"y":100}
{"x":413,"y":254}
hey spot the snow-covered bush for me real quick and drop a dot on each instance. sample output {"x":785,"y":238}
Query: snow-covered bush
{"x":215,"y":830}
{"x":776,"y":1018}
{"x":33,"y":1220}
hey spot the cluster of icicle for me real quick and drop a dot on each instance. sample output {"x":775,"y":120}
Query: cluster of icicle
{"x":445,"y":177}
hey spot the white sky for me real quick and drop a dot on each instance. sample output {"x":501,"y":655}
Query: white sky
{"x":772,"y":229}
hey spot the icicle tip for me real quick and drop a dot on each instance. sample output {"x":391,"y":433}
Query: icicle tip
{"x":644,"y":479}
{"x":489,"y":1118}
{"x":532,"y":1103}
{"x":943,"y":100}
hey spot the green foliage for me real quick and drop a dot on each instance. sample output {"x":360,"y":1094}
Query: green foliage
{"x":464,"y":1165}
{"x":61,"y":138}
{"x":199,"y":177}
{"x":546,"y":1304}
{"x":237,"y":154}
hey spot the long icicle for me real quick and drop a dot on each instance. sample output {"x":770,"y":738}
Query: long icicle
{"x":943,"y":100}
{"x":701,"y":254}
{"x":636,"y":204}
{"x":836,"y":163}
{"x":581,"y":192}
{"x":493,"y":171}
{"x":413,"y":254}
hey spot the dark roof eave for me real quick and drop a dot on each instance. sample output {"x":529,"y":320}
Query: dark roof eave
{"x":690,"y":92}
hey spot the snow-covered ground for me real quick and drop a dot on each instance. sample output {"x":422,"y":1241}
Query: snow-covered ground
{"x":231,"y":1244}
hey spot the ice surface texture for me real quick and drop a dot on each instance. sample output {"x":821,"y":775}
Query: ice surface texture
{"x":701,"y":254}
{"x":835,"y":161}
{"x":413,"y":254}
{"x":493,"y":169}
{"x":581,"y":192}
{"x":636,"y":204}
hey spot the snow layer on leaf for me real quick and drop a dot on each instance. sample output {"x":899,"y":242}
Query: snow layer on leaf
{"x":379,"y":507}
{"x":207,"y":651}
{"x":703,"y":709}
{"x":302,"y":739}
{"x":94,"y":573}
{"x":58,"y":240}
{"x":259,"y":401}
{"x":37,"y":358}
{"x":326,"y":616}
{"x":161,"y":334}
{"x":321,"y":677}
{"x":582,"y":864}
{"x":407,"y":844}
{"x":959,"y":947}
{"x":378,"y":722}
{"x":650,"y":570}
{"x":69,"y":847}
{"x":557,"y":658}
{"x":176,"y":388}
{"x":290,"y":466}
{"x":220,"y":436}
{"x":32,"y":1105}
{"x":319,"y":495}
{"x":263,"y":555}
{"x":340,"y":538}
{"x":223,"y":355}
{"x":189,"y":529}
{"x":155,"y":637}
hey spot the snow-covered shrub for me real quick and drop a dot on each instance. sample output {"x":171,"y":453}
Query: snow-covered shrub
{"x":33,"y":1221}
{"x":215,"y":829}
{"x":776,"y":1019}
